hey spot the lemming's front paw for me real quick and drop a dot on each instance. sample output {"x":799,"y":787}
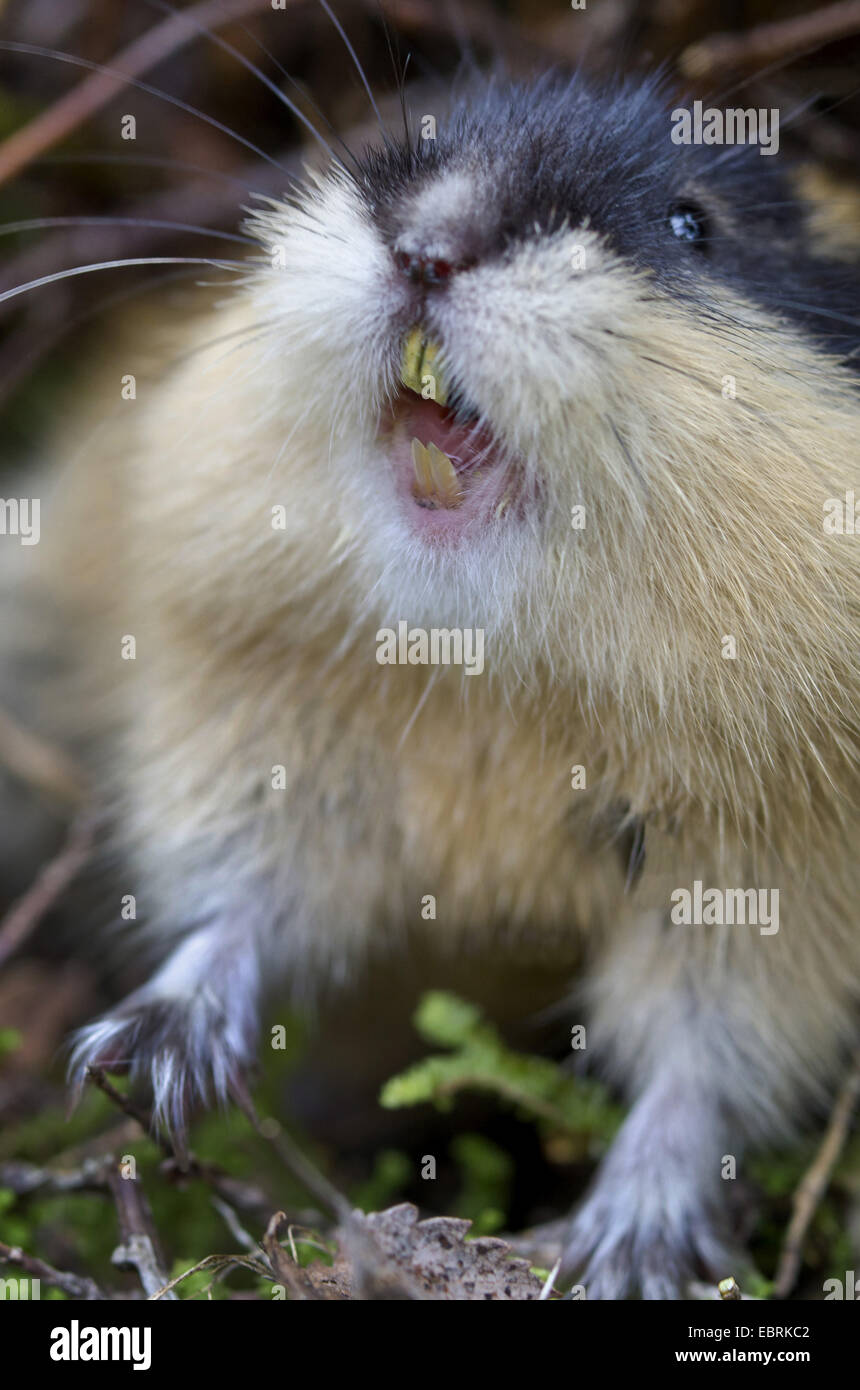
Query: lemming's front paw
{"x":191,"y":1050}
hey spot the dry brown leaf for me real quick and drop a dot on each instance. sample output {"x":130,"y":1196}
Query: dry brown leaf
{"x":393,"y":1255}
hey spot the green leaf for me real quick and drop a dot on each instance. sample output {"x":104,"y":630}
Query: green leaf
{"x":479,"y":1060}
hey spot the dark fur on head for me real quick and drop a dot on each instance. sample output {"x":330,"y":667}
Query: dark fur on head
{"x":562,"y":152}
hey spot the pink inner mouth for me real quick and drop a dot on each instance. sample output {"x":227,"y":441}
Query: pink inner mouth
{"x":473,"y":454}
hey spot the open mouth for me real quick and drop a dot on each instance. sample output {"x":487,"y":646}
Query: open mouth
{"x":447,"y":463}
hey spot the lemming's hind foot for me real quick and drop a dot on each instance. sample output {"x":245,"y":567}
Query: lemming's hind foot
{"x":617,"y":1248}
{"x":658,"y":1214}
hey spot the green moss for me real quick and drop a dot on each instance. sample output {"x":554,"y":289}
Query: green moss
{"x":480,"y":1061}
{"x":487,"y":1175}
{"x":392,"y":1170}
{"x":10,"y":1041}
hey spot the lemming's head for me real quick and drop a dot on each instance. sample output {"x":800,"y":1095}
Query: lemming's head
{"x":550,"y":305}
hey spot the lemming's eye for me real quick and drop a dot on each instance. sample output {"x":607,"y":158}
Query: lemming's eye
{"x":688,"y":224}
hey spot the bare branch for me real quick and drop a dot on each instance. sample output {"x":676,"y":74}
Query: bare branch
{"x":767,"y":43}
{"x":26,"y":914}
{"x":28,"y":1179}
{"x":292,"y":1157}
{"x":232,"y":1191}
{"x":75,"y":1285}
{"x":38,"y":763}
{"x":127,"y":1106}
{"x":814,"y":1182}
{"x":139,"y":1244}
{"x":158,"y":43}
{"x":284,"y":1268}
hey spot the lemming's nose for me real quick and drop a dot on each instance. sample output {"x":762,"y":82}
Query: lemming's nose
{"x":424,"y":266}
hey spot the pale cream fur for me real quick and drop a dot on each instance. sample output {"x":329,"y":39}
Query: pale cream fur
{"x":604,"y":647}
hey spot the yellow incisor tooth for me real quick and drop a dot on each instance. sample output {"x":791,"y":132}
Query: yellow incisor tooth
{"x":447,"y":483}
{"x":436,"y":481}
{"x":420,"y":368}
{"x":433,"y":386}
{"x":503,"y":505}
{"x":422,"y":488}
{"x":410,"y":366}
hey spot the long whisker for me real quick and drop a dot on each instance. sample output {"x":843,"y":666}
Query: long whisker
{"x":787,"y":124}
{"x":38,"y":51}
{"x":33,"y":224}
{"x":11,"y":375}
{"x":288,"y":77}
{"x":259,"y":328}
{"x":144,"y":161}
{"x":400,"y":81}
{"x":722,"y":317}
{"x":631,"y":462}
{"x":355,"y":61}
{"x":455,"y":18}
{"x":817,"y":312}
{"x":760,"y":415}
{"x":786,"y":60}
{"x":113,"y":265}
{"x":246,"y":63}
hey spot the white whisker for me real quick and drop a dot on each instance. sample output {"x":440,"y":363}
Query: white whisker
{"x":113,"y":265}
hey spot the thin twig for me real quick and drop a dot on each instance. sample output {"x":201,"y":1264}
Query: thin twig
{"x":814,"y":1182}
{"x":83,"y":101}
{"x":767,"y":43}
{"x":292,"y":1157}
{"x":28,"y":1179}
{"x":373,"y":1269}
{"x":549,"y":1283}
{"x":471,"y":23}
{"x":25,"y":915}
{"x":233,"y":1224}
{"x":139,"y":1245}
{"x":285,"y":1270}
{"x":75,"y":1285}
{"x":222,"y":1264}
{"x":231,"y":1190}
{"x":127,"y":1106}
{"x":33,"y":760}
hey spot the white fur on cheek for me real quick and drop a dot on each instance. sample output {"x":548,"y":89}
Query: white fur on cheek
{"x":332,"y":284}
